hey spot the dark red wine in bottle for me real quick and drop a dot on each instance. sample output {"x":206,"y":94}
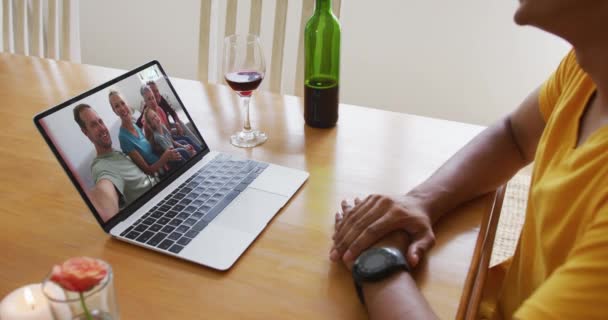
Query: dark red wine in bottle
{"x":244,"y":82}
{"x":321,"y":102}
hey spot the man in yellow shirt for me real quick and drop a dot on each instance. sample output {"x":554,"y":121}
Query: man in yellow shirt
{"x":560,"y":267}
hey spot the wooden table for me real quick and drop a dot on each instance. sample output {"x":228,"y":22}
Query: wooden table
{"x":286,"y":273}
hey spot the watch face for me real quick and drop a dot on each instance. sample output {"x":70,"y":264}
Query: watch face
{"x":374,"y":262}
{"x":377,"y":263}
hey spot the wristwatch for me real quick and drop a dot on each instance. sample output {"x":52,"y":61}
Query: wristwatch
{"x":376,"y":264}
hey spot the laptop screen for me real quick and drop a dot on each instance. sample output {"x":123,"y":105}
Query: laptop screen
{"x":122,"y":139}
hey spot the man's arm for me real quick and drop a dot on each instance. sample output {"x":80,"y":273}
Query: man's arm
{"x":487,"y":162}
{"x":166,"y":156}
{"x":396,"y":297}
{"x":105,"y":198}
{"x":484,"y":164}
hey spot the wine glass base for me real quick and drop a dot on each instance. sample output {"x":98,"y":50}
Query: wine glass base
{"x":248,"y":139}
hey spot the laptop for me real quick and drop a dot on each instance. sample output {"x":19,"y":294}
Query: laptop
{"x":149,"y":177}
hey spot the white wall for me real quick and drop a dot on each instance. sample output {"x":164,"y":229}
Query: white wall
{"x":127,"y":34}
{"x":460,"y":61}
{"x":129,"y":89}
{"x":448,"y":59}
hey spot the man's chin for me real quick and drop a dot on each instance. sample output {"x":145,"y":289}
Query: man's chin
{"x":527,"y":13}
{"x":106,"y":144}
{"x":520,"y":16}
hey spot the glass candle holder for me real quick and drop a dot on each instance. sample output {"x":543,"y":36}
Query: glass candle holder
{"x":97,"y":303}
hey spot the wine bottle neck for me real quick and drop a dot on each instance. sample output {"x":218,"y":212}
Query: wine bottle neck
{"x":323,"y":6}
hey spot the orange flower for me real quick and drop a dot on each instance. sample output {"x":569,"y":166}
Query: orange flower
{"x":79,"y":274}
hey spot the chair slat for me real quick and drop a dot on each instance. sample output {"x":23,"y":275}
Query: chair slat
{"x":69,"y":31}
{"x":280,"y":17}
{"x":230,"y":18}
{"x":307,"y":9}
{"x":336,"y":7}
{"x":7,"y":26}
{"x":63,"y":29}
{"x":21,"y":30}
{"x":53,"y":30}
{"x":37,"y":39}
{"x":255,"y":17}
{"x":203,"y":40}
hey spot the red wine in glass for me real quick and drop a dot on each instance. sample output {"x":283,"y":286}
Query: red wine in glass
{"x":244,"y":82}
{"x":244,"y":70}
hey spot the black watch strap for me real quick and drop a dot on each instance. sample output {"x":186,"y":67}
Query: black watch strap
{"x":359,"y":289}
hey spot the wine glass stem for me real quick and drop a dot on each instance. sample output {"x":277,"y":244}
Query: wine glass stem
{"x":247,"y":124}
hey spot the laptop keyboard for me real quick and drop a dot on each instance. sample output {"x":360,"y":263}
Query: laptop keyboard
{"x":182,"y":215}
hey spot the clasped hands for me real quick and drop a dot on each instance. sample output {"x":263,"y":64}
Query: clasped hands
{"x":380,"y":220}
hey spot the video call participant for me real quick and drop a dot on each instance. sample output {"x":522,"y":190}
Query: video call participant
{"x":134,"y":143}
{"x":150,"y":102}
{"x":164,"y":104}
{"x":162,"y":140}
{"x":118,"y":181}
{"x":181,"y":128}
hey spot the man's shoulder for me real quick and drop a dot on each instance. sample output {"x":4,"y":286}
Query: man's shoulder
{"x":106,"y":161}
{"x":107,"y":157}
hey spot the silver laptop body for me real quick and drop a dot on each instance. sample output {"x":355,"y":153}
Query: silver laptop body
{"x":227,"y":236}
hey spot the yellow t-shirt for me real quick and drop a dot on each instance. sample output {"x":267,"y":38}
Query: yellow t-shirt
{"x":560,"y":267}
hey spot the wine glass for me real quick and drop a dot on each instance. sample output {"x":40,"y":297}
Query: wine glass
{"x":244,"y":69}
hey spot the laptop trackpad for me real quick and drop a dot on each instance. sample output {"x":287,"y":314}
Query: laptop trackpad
{"x":250,"y":211}
{"x":217,"y":247}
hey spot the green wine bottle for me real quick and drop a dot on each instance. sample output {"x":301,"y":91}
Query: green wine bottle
{"x":322,"y":67}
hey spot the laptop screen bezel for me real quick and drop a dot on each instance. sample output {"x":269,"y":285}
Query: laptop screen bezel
{"x":139,"y":202}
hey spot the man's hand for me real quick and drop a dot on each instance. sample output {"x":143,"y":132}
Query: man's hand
{"x":190,"y":149}
{"x":374,"y":218}
{"x":396,"y":239}
{"x":395,"y":297}
{"x":170,"y":155}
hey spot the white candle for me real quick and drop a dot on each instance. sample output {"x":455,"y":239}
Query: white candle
{"x":26,"y":303}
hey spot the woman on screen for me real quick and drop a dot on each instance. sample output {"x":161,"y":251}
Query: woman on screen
{"x":134,"y":143}
{"x":182,"y":129}
{"x":152,"y":104}
{"x":161,"y":138}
